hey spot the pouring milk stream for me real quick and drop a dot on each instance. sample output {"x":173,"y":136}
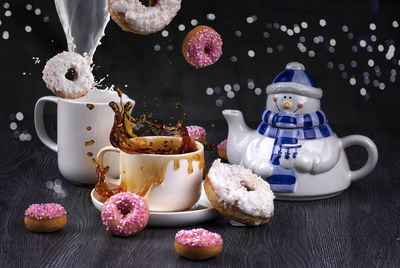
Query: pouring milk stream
{"x":84,"y":22}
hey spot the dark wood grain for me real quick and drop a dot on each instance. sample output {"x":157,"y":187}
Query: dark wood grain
{"x":360,"y":228}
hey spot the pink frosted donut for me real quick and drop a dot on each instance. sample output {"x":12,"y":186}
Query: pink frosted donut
{"x":222,"y":150}
{"x":54,"y":75}
{"x":202,"y":46}
{"x":197,"y":133}
{"x":133,"y":16}
{"x":125,"y":214}
{"x":198,"y":244}
{"x":45,"y":217}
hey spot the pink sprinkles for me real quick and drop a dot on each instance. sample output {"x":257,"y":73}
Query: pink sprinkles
{"x":196,"y":132}
{"x":45,"y":211}
{"x":204,"y":48}
{"x":198,"y":238}
{"x":222,"y":145}
{"x":125,"y":214}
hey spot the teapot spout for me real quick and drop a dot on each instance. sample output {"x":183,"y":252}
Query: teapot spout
{"x":238,"y":133}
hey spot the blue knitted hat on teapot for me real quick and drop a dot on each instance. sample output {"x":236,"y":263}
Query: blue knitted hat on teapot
{"x":295,"y":79}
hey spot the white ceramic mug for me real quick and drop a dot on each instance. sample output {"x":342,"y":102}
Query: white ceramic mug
{"x":178,"y":176}
{"x":79,"y":124}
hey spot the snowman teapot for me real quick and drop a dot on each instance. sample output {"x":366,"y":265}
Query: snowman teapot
{"x":294,"y":147}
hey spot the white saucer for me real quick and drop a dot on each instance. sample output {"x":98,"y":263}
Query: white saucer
{"x":201,"y":211}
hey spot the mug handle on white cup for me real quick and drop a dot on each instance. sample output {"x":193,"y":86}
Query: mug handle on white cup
{"x":372,"y":151}
{"x":100,"y":154}
{"x":39,"y":124}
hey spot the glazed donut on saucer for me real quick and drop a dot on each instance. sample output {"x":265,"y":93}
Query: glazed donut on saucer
{"x":133,"y":16}
{"x":45,"y":218}
{"x":198,"y":244}
{"x":202,"y":46}
{"x":239,"y":194}
{"x":222,"y":150}
{"x":125,"y":214}
{"x":54,"y":75}
{"x":197,"y":133}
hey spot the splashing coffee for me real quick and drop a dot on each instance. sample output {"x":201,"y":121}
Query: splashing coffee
{"x":128,"y":134}
{"x":127,"y":130}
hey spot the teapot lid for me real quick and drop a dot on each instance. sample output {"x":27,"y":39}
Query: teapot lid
{"x":295,"y":79}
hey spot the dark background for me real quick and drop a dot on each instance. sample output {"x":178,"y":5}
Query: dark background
{"x":130,"y":59}
{"x":359,"y":228}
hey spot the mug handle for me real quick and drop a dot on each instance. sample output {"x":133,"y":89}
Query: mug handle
{"x":100,"y":154}
{"x":39,"y":124}
{"x":372,"y":151}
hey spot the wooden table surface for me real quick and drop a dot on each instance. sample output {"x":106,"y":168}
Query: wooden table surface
{"x":360,"y":228}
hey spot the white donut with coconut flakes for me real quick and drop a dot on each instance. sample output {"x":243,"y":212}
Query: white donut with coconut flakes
{"x":239,"y":194}
{"x":57,"y":67}
{"x":133,"y":16}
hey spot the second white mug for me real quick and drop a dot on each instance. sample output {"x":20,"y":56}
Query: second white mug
{"x":83,"y":128}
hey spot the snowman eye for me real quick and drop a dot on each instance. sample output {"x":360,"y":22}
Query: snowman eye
{"x":290,"y":97}
{"x":284,"y":97}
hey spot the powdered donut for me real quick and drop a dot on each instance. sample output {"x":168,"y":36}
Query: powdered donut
{"x":54,"y":75}
{"x":222,"y":150}
{"x":125,"y":214}
{"x":133,"y":16}
{"x":45,"y":218}
{"x":202,"y":46}
{"x":197,"y":133}
{"x":198,"y":244}
{"x":239,"y":194}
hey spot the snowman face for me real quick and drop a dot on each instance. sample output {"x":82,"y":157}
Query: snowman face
{"x":292,"y":103}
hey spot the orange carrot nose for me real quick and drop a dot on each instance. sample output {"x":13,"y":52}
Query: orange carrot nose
{"x":286,"y":105}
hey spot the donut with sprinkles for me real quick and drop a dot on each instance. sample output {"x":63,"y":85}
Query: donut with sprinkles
{"x":239,"y":194}
{"x":197,"y":133}
{"x":125,"y":214}
{"x":133,"y":16}
{"x":222,"y":149}
{"x":61,"y":64}
{"x":45,"y":218}
{"x":202,"y":46}
{"x":198,"y":244}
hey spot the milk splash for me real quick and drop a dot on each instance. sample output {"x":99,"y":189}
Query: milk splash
{"x":84,"y":22}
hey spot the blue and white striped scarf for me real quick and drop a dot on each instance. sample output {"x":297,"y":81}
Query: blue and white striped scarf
{"x":287,"y":129}
{"x":307,"y":126}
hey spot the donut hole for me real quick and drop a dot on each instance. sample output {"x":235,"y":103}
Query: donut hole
{"x":246,"y":186}
{"x":71,"y":74}
{"x":148,"y":3}
{"x":207,"y":50}
{"x":124,"y":208}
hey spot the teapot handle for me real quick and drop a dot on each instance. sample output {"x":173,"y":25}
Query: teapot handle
{"x":372,"y":151}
